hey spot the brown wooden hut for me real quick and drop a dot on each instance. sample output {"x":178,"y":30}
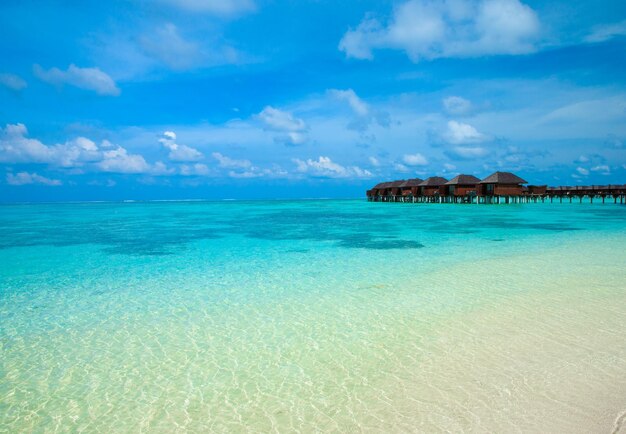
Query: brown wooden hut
{"x":433,"y":186}
{"x":382,"y":189}
{"x":410,"y":187}
{"x":537,"y":190}
{"x":501,"y":184}
{"x":461,"y":186}
{"x":375,"y":190}
{"x":395,"y":187}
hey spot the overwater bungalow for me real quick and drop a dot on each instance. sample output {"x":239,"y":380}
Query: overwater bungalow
{"x":461,"y":188}
{"x":410,"y":188}
{"x":394,"y":188}
{"x":499,"y":187}
{"x":381,"y":190}
{"x":537,"y":190}
{"x":501,"y":184}
{"x":375,"y":191}
{"x":432,"y":187}
{"x":387,"y":190}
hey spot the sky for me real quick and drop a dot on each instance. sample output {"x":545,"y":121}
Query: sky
{"x":259,"y":99}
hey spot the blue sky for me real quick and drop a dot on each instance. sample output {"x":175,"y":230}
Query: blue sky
{"x":173,"y":99}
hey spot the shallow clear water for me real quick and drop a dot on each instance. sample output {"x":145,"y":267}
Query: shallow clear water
{"x":312,"y":316}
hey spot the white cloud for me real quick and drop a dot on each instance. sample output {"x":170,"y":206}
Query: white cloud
{"x":360,"y":173}
{"x":159,"y":169}
{"x":601,"y":168}
{"x":513,"y":158}
{"x":290,"y":130}
{"x":102,"y":183}
{"x":166,"y":45}
{"x":118,"y":160}
{"x":194,"y":170}
{"x":136,"y":52}
{"x":291,"y":138}
{"x":24,"y":178}
{"x":76,"y":152}
{"x":255,"y":172}
{"x":458,"y":133}
{"x":601,"y":109}
{"x":244,"y":174}
{"x":358,"y":43}
{"x":468,"y":152}
{"x":357,"y":104}
{"x":364,"y":115}
{"x":438,"y":28}
{"x":179,"y":152}
{"x":607,"y":31}
{"x":400,"y":167}
{"x":448,"y":166}
{"x":225,"y":8}
{"x":325,"y":167}
{"x":374,"y":161}
{"x":12,"y":82}
{"x":84,"y":78}
{"x":231,"y":163}
{"x":455,"y":105}
{"x":583,"y":159}
{"x":16,"y":147}
{"x":279,"y":120}
{"x":582,"y":171}
{"x":415,"y":159}
{"x":245,"y":168}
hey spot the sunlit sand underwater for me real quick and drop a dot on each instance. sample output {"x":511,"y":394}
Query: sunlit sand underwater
{"x":312,"y":316}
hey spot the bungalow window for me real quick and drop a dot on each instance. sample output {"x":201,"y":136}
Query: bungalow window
{"x":451,"y":189}
{"x":489,"y":188}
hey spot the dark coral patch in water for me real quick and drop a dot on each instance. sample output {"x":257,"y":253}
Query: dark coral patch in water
{"x":365,"y":241}
{"x":297,"y":251}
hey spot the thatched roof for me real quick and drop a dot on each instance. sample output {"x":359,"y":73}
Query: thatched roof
{"x":396,"y":183}
{"x":433,"y":181}
{"x":503,"y":178}
{"x":463,"y":180}
{"x":413,"y":182}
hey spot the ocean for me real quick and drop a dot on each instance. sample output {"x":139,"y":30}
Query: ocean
{"x":312,"y":316}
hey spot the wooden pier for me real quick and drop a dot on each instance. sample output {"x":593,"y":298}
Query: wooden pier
{"x":498,"y":188}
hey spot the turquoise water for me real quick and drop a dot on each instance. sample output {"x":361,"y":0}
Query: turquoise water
{"x":309,"y":316}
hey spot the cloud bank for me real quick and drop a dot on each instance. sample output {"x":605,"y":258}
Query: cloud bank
{"x":84,"y":78}
{"x":289,"y":130}
{"x":179,"y":152}
{"x":326,"y":168}
{"x":12,"y":82}
{"x":16,"y":147}
{"x":25,"y":178}
{"x":438,"y":29}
